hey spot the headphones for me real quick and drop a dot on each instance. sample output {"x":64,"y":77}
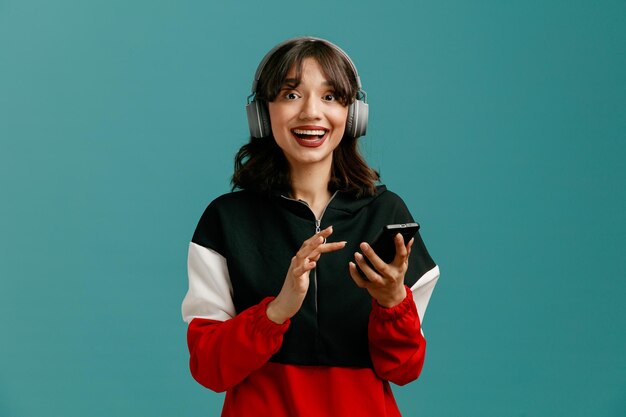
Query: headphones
{"x":258,"y":114}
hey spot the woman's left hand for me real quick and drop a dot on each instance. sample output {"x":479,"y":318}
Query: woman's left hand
{"x":385,"y":283}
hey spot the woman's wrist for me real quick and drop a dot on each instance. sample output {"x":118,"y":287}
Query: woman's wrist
{"x":275,"y":313}
{"x":393,"y":299}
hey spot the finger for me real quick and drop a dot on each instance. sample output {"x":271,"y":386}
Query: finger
{"x":314,"y":241}
{"x":378,"y":263}
{"x":401,"y":250}
{"x":356,"y":275}
{"x":409,"y":246}
{"x":309,"y":245}
{"x":303,"y":268}
{"x":318,"y":240}
{"x":369,"y":273}
{"x":325,"y":233}
{"x":327,"y":247}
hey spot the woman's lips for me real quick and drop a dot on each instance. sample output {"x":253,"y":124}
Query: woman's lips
{"x":311,"y":137}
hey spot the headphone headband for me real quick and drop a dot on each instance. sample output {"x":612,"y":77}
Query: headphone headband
{"x":261,"y":67}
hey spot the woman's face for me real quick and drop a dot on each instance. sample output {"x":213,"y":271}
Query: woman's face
{"x":307,"y":120}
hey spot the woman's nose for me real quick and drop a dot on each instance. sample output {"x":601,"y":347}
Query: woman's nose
{"x":310,"y":109}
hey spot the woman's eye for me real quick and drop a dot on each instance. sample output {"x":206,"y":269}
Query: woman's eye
{"x":329,"y":97}
{"x":291,"y":96}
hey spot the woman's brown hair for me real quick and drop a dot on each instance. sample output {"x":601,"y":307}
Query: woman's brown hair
{"x":261,"y":166}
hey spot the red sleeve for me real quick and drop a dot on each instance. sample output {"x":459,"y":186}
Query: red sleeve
{"x":224,"y":353}
{"x":396,"y":343}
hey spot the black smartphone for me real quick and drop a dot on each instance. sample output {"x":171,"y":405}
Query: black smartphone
{"x":384,"y":245}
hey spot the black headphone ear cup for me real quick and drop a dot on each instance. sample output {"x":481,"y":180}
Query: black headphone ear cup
{"x":356,"y":124}
{"x":363,"y":114}
{"x":264,"y":117}
{"x":258,"y":119}
{"x":350,"y":120}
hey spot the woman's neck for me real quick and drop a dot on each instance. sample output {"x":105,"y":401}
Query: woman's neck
{"x":310,"y":184}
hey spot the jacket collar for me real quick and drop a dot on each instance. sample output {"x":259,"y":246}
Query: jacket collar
{"x":342,"y":201}
{"x":347,"y":202}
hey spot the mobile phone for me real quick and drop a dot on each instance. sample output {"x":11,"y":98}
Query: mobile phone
{"x":384,"y":244}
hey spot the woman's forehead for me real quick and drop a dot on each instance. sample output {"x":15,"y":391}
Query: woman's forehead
{"x":308,"y":65}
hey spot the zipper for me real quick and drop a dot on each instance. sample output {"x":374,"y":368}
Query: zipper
{"x":318,"y":224}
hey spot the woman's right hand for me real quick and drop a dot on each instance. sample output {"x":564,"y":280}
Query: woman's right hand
{"x":296,"y":284}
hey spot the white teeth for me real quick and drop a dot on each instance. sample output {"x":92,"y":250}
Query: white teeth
{"x":309,"y":132}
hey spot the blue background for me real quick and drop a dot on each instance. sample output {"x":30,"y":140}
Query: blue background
{"x":500,"y":123}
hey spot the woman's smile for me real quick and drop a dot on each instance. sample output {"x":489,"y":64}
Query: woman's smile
{"x":310,"y":136}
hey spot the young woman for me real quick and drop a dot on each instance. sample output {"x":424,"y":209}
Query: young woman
{"x":279,"y":315}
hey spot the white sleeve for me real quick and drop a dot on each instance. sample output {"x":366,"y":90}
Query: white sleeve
{"x":210,"y":294}
{"x":423,"y":289}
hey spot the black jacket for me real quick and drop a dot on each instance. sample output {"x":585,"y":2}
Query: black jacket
{"x":259,"y":234}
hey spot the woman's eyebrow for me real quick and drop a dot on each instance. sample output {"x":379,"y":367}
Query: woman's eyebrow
{"x":292,"y":83}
